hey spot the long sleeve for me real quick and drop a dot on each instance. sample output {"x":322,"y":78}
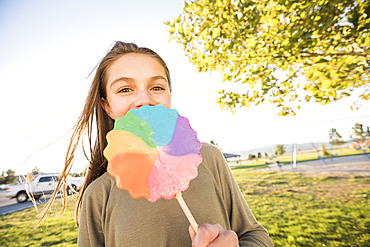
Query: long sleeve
{"x":242,"y":220}
{"x":90,"y":232}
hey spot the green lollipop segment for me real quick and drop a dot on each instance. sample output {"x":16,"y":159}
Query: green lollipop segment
{"x":136,"y":126}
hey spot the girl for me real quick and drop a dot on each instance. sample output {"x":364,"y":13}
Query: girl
{"x":129,"y":77}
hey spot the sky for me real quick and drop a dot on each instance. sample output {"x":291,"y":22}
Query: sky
{"x":49,"y":48}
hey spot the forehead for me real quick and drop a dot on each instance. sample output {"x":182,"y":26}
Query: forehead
{"x":135,"y":64}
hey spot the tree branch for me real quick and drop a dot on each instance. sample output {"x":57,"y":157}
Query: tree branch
{"x":307,"y":54}
{"x":359,"y":54}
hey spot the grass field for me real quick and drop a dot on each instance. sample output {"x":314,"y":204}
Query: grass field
{"x":310,"y":209}
{"x":297,"y":209}
{"x":16,"y":229}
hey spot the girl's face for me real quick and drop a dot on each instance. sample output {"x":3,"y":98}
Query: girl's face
{"x":135,"y":80}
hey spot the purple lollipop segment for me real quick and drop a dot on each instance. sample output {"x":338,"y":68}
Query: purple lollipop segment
{"x":183,"y":134}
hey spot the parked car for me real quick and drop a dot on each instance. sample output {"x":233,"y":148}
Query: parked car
{"x":74,"y":184}
{"x":4,"y":186}
{"x":41,"y":185}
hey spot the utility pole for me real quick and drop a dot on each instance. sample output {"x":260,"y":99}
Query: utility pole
{"x":294,"y":155}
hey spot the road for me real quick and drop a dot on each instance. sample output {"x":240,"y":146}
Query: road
{"x":354,"y":164}
{"x":8,"y":206}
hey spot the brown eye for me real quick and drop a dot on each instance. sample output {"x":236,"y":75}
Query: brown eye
{"x":125,"y":90}
{"x":157,"y":88}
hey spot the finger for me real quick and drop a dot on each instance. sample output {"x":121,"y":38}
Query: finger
{"x":206,"y":234}
{"x":192,"y":232}
{"x":226,"y":238}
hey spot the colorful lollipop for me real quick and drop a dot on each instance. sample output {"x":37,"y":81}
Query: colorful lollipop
{"x":154,"y":153}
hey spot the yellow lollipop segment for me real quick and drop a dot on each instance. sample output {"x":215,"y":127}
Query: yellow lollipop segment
{"x":121,"y":141}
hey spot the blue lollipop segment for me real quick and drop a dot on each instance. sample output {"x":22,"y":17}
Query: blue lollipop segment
{"x":162,"y":120}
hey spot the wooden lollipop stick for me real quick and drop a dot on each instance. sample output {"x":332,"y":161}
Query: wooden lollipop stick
{"x":186,"y":210}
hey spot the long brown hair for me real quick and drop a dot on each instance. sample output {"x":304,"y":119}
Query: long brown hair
{"x":94,"y":113}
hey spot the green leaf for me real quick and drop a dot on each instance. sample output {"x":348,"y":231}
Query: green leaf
{"x":322,"y":60}
{"x":216,"y":32}
{"x":352,"y":66}
{"x":204,"y":34}
{"x":326,"y":84}
{"x":367,"y":40}
{"x":180,"y":30}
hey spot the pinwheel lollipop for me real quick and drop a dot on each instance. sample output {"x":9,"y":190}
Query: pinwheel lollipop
{"x":153,"y":153}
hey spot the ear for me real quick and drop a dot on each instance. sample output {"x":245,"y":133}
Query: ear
{"x":104,"y":103}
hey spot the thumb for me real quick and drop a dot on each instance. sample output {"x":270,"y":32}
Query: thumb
{"x":192,"y":233}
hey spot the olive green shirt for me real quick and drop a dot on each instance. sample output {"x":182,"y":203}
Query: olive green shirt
{"x":110,"y":217}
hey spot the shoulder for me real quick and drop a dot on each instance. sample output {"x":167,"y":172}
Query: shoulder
{"x":99,"y":186}
{"x":212,"y":158}
{"x":211,"y":154}
{"x":209,"y":150}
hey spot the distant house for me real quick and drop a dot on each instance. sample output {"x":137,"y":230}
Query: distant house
{"x":232,"y":157}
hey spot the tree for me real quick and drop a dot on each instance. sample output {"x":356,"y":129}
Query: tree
{"x":10,"y":172}
{"x":2,"y":178}
{"x":8,"y":177}
{"x":334,"y":137}
{"x":259,"y":155}
{"x":216,"y":144}
{"x":36,"y":170}
{"x":358,"y":132}
{"x":266,"y":155}
{"x":83,"y":173}
{"x":367,"y":133}
{"x":270,"y":44}
{"x":280,"y":149}
{"x":251,"y":156}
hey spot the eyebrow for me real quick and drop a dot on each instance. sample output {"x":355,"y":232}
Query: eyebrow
{"x":129,"y":79}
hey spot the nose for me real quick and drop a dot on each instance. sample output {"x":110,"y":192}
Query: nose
{"x":144,"y":97}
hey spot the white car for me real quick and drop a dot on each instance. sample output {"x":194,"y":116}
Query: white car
{"x":74,"y":184}
{"x":41,"y":185}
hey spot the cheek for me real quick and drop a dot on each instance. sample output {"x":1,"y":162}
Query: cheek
{"x":120,"y":109}
{"x":167,"y":101}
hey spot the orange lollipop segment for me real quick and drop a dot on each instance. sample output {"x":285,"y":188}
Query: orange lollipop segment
{"x":131,"y":144}
{"x":131,"y":171}
{"x":130,"y":162}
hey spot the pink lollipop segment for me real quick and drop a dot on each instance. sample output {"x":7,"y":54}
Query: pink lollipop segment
{"x":172,"y":174}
